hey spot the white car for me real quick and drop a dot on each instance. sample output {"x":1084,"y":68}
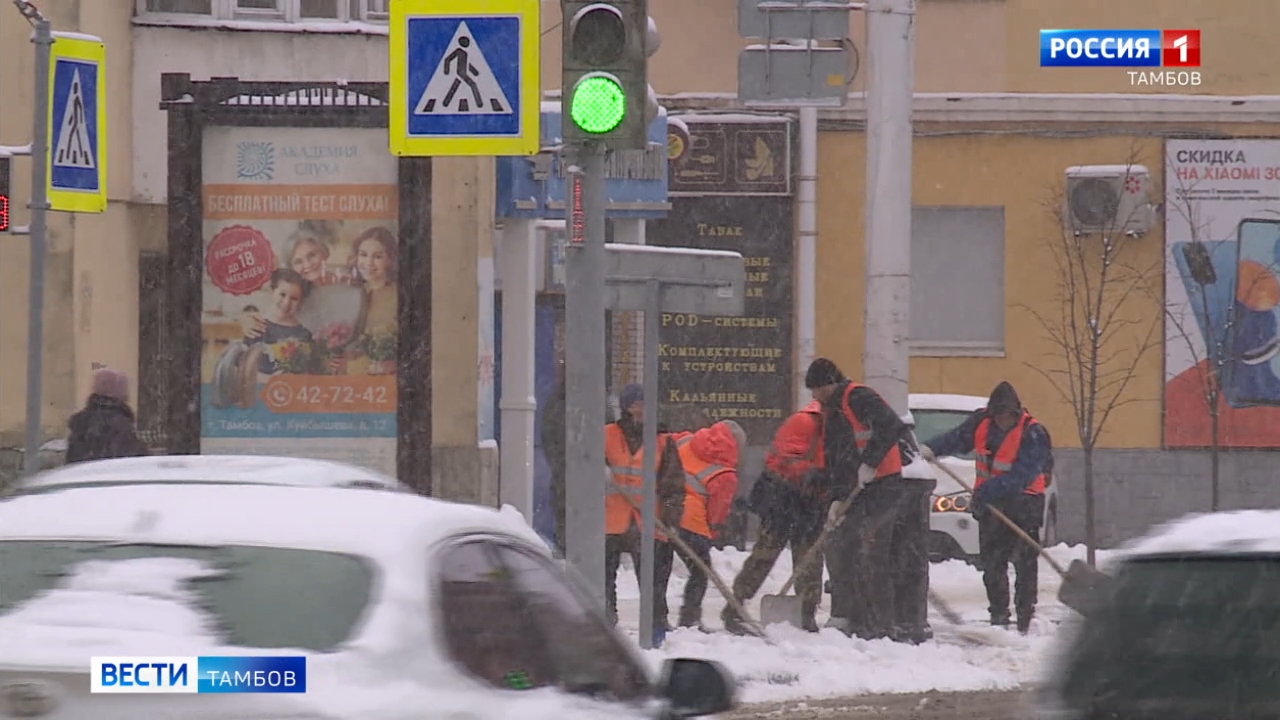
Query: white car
{"x":954,"y":533}
{"x":404,"y":606}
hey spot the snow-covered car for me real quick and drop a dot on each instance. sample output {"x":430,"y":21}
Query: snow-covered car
{"x":1189,"y":627}
{"x":404,"y":606}
{"x":953,"y":531}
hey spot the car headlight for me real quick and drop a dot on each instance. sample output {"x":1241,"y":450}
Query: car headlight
{"x":956,"y":502}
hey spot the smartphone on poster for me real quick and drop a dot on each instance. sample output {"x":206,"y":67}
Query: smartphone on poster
{"x":1253,"y":331}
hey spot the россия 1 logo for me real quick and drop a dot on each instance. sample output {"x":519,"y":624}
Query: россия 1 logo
{"x":1174,"y":50}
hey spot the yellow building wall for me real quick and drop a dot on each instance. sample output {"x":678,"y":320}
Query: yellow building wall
{"x":1020,"y":173}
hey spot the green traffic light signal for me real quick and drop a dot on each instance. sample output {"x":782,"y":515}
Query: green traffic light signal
{"x":598,"y":105}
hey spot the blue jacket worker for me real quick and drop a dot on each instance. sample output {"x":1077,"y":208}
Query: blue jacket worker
{"x":1013,"y":459}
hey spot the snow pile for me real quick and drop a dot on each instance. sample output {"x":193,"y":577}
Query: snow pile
{"x":123,"y":607}
{"x":803,"y":665}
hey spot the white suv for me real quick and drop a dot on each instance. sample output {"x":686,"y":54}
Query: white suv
{"x":953,"y":531}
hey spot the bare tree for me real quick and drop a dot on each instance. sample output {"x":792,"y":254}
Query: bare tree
{"x":1216,"y":353}
{"x":1099,"y":328}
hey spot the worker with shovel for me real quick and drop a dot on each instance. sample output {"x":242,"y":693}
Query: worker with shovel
{"x":1013,"y":458}
{"x":624,"y":457}
{"x":862,"y":456}
{"x":710,"y":460}
{"x":789,"y":499}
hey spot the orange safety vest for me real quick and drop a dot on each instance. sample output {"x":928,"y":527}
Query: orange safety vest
{"x":988,"y":467}
{"x":627,"y":469}
{"x":794,"y":468}
{"x":697,"y":475}
{"x":892,"y":462}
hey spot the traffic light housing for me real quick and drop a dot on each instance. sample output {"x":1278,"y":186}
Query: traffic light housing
{"x":605,"y":87}
{"x":5,"y":164}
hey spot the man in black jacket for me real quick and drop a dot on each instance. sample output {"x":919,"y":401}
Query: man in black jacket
{"x":861,"y":445}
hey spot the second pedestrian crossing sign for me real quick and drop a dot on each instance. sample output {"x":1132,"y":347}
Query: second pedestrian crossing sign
{"x":464,"y":82}
{"x":77,"y":124}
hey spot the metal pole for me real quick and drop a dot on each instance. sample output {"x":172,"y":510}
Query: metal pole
{"x":39,"y":207}
{"x":585,"y":399}
{"x":807,"y":260}
{"x":888,"y":205}
{"x":517,"y":401}
{"x":649,"y":496}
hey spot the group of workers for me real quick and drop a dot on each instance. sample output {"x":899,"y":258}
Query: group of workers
{"x":847,"y":444}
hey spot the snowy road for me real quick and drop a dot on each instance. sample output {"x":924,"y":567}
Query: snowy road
{"x":997,"y":705}
{"x":800,"y":665}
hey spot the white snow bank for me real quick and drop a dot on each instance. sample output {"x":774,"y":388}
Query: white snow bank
{"x":802,"y":665}
{"x":126,"y":607}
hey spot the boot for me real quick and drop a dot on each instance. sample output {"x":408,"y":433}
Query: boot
{"x":1024,"y":623}
{"x":808,"y":622}
{"x":692,"y":618}
{"x":1000,"y":619}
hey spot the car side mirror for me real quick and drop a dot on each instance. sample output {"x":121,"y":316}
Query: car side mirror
{"x":694,"y":688}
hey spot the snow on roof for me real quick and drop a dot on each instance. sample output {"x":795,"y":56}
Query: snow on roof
{"x":732,"y":118}
{"x":393,"y":529}
{"x":946,"y":402}
{"x":324,"y":97}
{"x":1245,"y":531}
{"x":248,"y":469}
{"x":662,"y":250}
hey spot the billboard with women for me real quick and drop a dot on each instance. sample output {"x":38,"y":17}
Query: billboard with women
{"x":299,"y":317}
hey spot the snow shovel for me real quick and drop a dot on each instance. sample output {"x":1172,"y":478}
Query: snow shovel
{"x":784,"y":608}
{"x":1081,"y":584}
{"x":674,"y":537}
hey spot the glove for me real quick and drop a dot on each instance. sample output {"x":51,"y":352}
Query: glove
{"x":926,"y":452}
{"x":834,"y":518}
{"x":866,"y":474}
{"x":993,"y":490}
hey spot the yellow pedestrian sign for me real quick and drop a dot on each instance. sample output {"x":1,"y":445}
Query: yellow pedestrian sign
{"x":77,"y":124}
{"x":464,"y":81}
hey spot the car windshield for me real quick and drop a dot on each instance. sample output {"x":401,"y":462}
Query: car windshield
{"x":1181,"y":633}
{"x":253,"y":597}
{"x":932,"y":423}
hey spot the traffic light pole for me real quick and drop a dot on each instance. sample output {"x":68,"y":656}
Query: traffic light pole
{"x":43,"y":40}
{"x":585,"y":359}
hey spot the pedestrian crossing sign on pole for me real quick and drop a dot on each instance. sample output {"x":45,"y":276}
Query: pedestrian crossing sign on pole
{"x":464,"y":80}
{"x":77,"y":124}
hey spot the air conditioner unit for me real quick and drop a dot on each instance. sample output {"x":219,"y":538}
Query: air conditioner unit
{"x":1109,"y":200}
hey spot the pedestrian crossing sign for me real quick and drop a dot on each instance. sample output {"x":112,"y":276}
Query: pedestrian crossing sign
{"x":464,"y":81}
{"x":77,"y":173}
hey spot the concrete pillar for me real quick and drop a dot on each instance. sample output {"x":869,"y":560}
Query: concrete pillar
{"x":462,"y":231}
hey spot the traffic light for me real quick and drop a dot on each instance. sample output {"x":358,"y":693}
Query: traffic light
{"x":4,"y":193}
{"x":605,"y":89}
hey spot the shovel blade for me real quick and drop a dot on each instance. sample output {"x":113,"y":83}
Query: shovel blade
{"x":1084,"y":588}
{"x":778,"y":609}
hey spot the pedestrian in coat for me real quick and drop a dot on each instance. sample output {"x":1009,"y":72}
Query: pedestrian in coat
{"x":105,"y":428}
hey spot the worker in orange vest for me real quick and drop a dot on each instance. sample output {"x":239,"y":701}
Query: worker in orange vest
{"x":709,"y":458}
{"x":1014,"y":461}
{"x":624,"y":458}
{"x":790,"y":501}
{"x":861,"y":446}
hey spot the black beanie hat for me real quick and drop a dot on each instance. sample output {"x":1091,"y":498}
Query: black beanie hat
{"x":822,"y":372}
{"x":1004,"y":399}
